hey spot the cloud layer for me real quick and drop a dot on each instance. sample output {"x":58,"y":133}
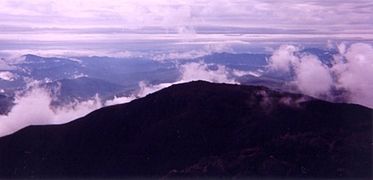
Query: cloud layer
{"x":183,"y":16}
{"x":118,"y":25}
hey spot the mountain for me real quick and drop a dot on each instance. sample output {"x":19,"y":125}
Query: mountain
{"x":53,"y":68}
{"x":238,"y":61}
{"x":326,"y":56}
{"x":200,"y":129}
{"x":263,"y":81}
{"x":122,"y":71}
{"x":128,"y":71}
{"x":83,"y":88}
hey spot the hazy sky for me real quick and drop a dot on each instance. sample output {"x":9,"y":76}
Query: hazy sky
{"x":89,"y":25}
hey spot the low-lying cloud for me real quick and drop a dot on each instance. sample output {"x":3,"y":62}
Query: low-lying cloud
{"x":201,"y":71}
{"x":7,"y":76}
{"x":313,"y":77}
{"x":34,"y":108}
{"x":354,"y":71}
{"x":351,"y":72}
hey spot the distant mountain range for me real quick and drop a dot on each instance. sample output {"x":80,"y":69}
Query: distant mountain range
{"x":75,"y":72}
{"x":83,"y":88}
{"x":82,"y":78}
{"x":200,"y":129}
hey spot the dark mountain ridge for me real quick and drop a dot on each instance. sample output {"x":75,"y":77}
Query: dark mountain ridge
{"x":200,"y":129}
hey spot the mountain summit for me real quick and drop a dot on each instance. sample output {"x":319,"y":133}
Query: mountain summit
{"x":200,"y":129}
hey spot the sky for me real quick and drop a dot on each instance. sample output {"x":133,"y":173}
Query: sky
{"x":122,"y":26}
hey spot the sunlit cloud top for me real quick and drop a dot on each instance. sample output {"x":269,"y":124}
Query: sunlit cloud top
{"x":112,"y":22}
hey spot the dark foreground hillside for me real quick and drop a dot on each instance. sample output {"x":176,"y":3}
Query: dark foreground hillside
{"x":200,"y":129}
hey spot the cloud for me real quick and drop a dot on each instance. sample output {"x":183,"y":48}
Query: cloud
{"x":312,"y":77}
{"x":7,"y":76}
{"x":240,"y":73}
{"x":112,"y":24}
{"x":190,"y":72}
{"x":33,"y":107}
{"x":145,"y":88}
{"x":283,"y":58}
{"x":79,"y":75}
{"x":119,"y":100}
{"x":355,"y":73}
{"x":351,"y":72}
{"x":201,"y":71}
{"x":186,"y":14}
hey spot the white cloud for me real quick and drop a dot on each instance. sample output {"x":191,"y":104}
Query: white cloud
{"x":283,"y":58}
{"x":33,"y":108}
{"x":192,"y":72}
{"x":312,"y":77}
{"x":7,"y":76}
{"x":80,"y":75}
{"x":146,"y":89}
{"x":240,"y":73}
{"x":352,"y":72}
{"x":355,"y":74}
{"x":119,"y":100}
{"x":53,"y":20}
{"x":341,"y":48}
{"x":200,"y":71}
